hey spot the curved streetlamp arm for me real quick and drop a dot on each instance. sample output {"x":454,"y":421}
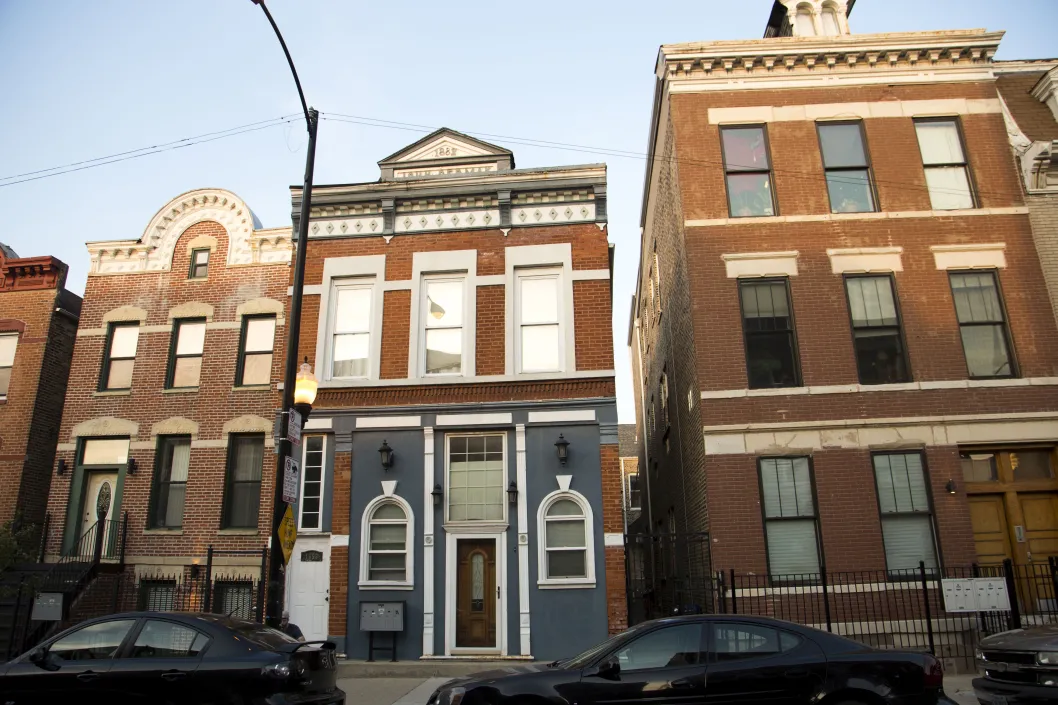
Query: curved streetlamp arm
{"x":294,"y":71}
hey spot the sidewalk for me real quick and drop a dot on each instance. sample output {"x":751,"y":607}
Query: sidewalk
{"x":416,"y":691}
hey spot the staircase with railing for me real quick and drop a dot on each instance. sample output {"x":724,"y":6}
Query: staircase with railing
{"x":101,"y":548}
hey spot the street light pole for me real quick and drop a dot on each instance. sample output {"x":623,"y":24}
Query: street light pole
{"x":276,"y":584}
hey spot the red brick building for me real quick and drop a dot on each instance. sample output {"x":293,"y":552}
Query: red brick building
{"x":848,"y":358}
{"x":38,"y":320}
{"x":170,"y":407}
{"x":458,"y":313}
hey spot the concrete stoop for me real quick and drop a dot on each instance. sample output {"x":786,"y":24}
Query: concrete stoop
{"x":424,"y":668}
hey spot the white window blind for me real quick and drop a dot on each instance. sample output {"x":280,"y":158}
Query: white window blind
{"x":443,"y":323}
{"x":8,"y":343}
{"x":945,"y":164}
{"x":789,"y":517}
{"x":351,"y":330}
{"x":539,"y":322}
{"x":903,"y":499}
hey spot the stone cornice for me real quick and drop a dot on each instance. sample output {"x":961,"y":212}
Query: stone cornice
{"x":966,"y":54}
{"x":31,"y":273}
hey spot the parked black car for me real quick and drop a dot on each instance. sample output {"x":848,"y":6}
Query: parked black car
{"x":167,"y":657}
{"x":714,"y":660}
{"x":1021,"y":667}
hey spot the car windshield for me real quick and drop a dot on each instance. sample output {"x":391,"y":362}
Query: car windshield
{"x":588,"y":656}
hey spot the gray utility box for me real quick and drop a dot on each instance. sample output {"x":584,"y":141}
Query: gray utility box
{"x":381,"y":616}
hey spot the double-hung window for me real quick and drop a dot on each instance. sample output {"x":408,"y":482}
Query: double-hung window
{"x":767,"y":322}
{"x":633,"y":491}
{"x":475,"y":478}
{"x":880,"y":354}
{"x":386,"y":560}
{"x":199,"y":264}
{"x":747,"y":167}
{"x":119,"y":357}
{"x":847,"y":169}
{"x":538,"y":296}
{"x":943,"y":157}
{"x":242,"y":496}
{"x":907,"y":523}
{"x":185,"y":363}
{"x":442,"y":309}
{"x":311,"y":497}
{"x":789,"y":518}
{"x":172,"y":461}
{"x":566,"y":529}
{"x":351,"y":329}
{"x":255,"y":350}
{"x":982,"y":324}
{"x":8,"y":343}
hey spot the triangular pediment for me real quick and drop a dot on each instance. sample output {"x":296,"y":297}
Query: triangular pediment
{"x":446,"y":144}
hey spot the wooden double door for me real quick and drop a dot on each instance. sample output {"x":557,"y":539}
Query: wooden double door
{"x":477,"y":593}
{"x":1021,"y":526}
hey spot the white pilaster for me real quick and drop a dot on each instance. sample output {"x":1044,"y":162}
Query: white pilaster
{"x":428,"y":538}
{"x":523,"y":541}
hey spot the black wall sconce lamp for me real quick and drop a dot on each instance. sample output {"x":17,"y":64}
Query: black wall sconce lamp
{"x":563,"y":449}
{"x":950,"y":486}
{"x":61,"y":469}
{"x":512,"y":492}
{"x":131,"y":466}
{"x":386,"y":454}
{"x":194,"y":571}
{"x":437,"y":494}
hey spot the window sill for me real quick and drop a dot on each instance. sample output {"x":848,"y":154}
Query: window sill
{"x":383,"y":586}
{"x":180,"y":390}
{"x":113,"y":393}
{"x":163,"y":532}
{"x":556,"y":585}
{"x":237,"y":532}
{"x":253,"y":388}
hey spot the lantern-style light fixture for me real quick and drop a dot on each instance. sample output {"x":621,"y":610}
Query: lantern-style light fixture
{"x":305,"y":386}
{"x":437,"y":494}
{"x":563,"y":449}
{"x":130,"y":466}
{"x":386,"y":454}
{"x":950,"y":486}
{"x":512,"y":492}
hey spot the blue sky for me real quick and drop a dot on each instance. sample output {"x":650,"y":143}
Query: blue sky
{"x":88,"y":79}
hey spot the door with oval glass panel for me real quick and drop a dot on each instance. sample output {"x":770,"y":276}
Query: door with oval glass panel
{"x":98,"y":507}
{"x":476,"y":594}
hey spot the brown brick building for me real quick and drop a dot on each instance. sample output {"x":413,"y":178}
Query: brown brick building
{"x":170,"y":406}
{"x":38,"y":320}
{"x":848,"y":359}
{"x":458,"y":313}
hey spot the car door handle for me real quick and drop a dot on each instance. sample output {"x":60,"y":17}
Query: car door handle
{"x":87,"y":676}
{"x":682,"y":683}
{"x":797,"y":673}
{"x":173,"y":675}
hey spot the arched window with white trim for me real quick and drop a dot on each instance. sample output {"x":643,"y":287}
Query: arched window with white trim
{"x":831,"y":25}
{"x":386,"y":547}
{"x":566,"y":541}
{"x":803,"y":21}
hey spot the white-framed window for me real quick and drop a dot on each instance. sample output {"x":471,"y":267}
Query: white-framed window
{"x":386,"y":549}
{"x":313,"y":461}
{"x":540,"y":345}
{"x":442,"y":310}
{"x":566,"y":541}
{"x":349,"y":344}
{"x":831,"y":25}
{"x":8,"y":343}
{"x":476,"y":476}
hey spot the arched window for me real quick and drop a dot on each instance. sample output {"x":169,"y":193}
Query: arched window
{"x":831,"y":26}
{"x":386,"y":558}
{"x":803,"y":21}
{"x":567,"y":545}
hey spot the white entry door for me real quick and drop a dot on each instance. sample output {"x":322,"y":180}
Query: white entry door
{"x":102,"y":486}
{"x":309,"y":590}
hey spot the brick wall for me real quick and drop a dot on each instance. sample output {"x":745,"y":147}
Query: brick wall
{"x":613,"y":523}
{"x":215,"y":403}
{"x":340,"y":525}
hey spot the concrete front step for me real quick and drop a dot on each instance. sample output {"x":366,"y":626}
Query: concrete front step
{"x":426,"y":668}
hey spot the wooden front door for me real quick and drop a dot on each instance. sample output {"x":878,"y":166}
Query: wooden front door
{"x":476,"y":594}
{"x":991,"y":532}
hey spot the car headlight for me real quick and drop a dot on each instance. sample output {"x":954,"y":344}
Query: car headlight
{"x":451,"y":696}
{"x":980,"y":655}
{"x":1047,"y":658}
{"x":1049,"y":680}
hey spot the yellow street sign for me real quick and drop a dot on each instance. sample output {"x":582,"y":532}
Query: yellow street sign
{"x":287,"y":534}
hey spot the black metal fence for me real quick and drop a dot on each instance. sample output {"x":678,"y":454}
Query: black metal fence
{"x":885,"y":609}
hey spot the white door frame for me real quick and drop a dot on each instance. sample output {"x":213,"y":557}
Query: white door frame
{"x":451,"y":585}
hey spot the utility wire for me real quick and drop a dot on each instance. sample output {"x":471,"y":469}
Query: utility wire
{"x":144,"y":151}
{"x":545,"y":144}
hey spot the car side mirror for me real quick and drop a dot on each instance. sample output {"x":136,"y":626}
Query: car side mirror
{"x":609,"y":669}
